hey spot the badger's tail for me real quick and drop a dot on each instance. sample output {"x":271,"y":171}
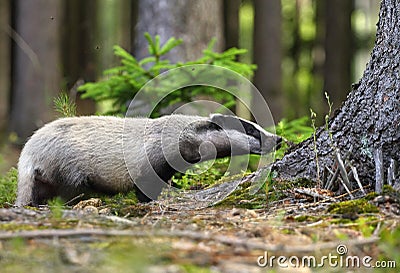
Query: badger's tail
{"x":26,"y":179}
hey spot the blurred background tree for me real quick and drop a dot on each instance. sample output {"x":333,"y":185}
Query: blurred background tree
{"x":302,"y":48}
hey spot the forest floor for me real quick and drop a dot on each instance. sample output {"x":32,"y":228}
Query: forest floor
{"x":329,"y":235}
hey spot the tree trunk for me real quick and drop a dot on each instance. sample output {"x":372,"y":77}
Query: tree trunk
{"x":338,"y":49}
{"x":5,"y":62}
{"x":37,"y":71}
{"x":369,"y":119}
{"x":267,"y":54}
{"x":231,"y":23}
{"x":80,"y":48}
{"x":196,"y":22}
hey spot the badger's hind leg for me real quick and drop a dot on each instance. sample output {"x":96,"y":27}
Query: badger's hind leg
{"x":42,"y":190}
{"x":33,"y":188}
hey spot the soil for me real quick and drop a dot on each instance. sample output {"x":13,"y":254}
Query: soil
{"x":94,"y":236}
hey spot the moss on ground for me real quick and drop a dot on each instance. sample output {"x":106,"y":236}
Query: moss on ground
{"x":357,"y":206}
{"x":8,"y":188}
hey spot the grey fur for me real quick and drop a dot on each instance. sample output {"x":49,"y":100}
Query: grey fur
{"x":108,"y":154}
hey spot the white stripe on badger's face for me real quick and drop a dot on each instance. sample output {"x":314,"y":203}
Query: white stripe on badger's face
{"x":246,"y":134}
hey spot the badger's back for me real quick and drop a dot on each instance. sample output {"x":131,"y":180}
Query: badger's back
{"x":82,"y":154}
{"x":71,"y":155}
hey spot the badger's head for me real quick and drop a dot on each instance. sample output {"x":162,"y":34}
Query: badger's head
{"x":245,"y":135}
{"x":176,"y":142}
{"x":225,"y":135}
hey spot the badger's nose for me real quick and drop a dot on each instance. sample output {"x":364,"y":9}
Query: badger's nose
{"x":278,"y":143}
{"x":270,"y":143}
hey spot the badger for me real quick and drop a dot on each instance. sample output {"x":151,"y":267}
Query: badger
{"x":105,"y":154}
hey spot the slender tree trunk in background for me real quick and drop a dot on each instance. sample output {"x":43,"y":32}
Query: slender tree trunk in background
{"x":92,"y":29}
{"x":267,"y":54}
{"x":5,"y":61}
{"x":112,"y":28}
{"x":80,"y":47}
{"x":318,"y":101}
{"x":37,"y":72}
{"x":369,"y":119}
{"x":231,"y":34}
{"x":293,"y":97}
{"x":231,"y":23}
{"x":338,"y":49}
{"x":127,"y":13}
{"x":196,"y":22}
{"x":133,"y":23}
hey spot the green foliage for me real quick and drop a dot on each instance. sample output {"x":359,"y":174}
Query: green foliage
{"x":201,"y":175}
{"x":121,"y":83}
{"x":294,"y":131}
{"x":64,"y":106}
{"x":56,"y":206}
{"x":8,"y":187}
{"x":389,"y":244}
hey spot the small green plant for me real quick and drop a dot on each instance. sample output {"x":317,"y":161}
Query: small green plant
{"x":56,"y":206}
{"x":294,"y":131}
{"x":64,"y":105}
{"x":8,"y":187}
{"x":201,"y":175}
{"x":123,"y":82}
{"x":330,"y":104}
{"x":313,"y":116}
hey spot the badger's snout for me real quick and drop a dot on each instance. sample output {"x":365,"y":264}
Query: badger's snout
{"x":278,"y":143}
{"x":269,"y":143}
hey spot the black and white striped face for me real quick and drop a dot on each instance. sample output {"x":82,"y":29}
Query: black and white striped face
{"x":222,"y":136}
{"x":241,"y":131}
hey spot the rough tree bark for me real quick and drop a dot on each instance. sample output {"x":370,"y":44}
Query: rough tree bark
{"x":368,"y":120}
